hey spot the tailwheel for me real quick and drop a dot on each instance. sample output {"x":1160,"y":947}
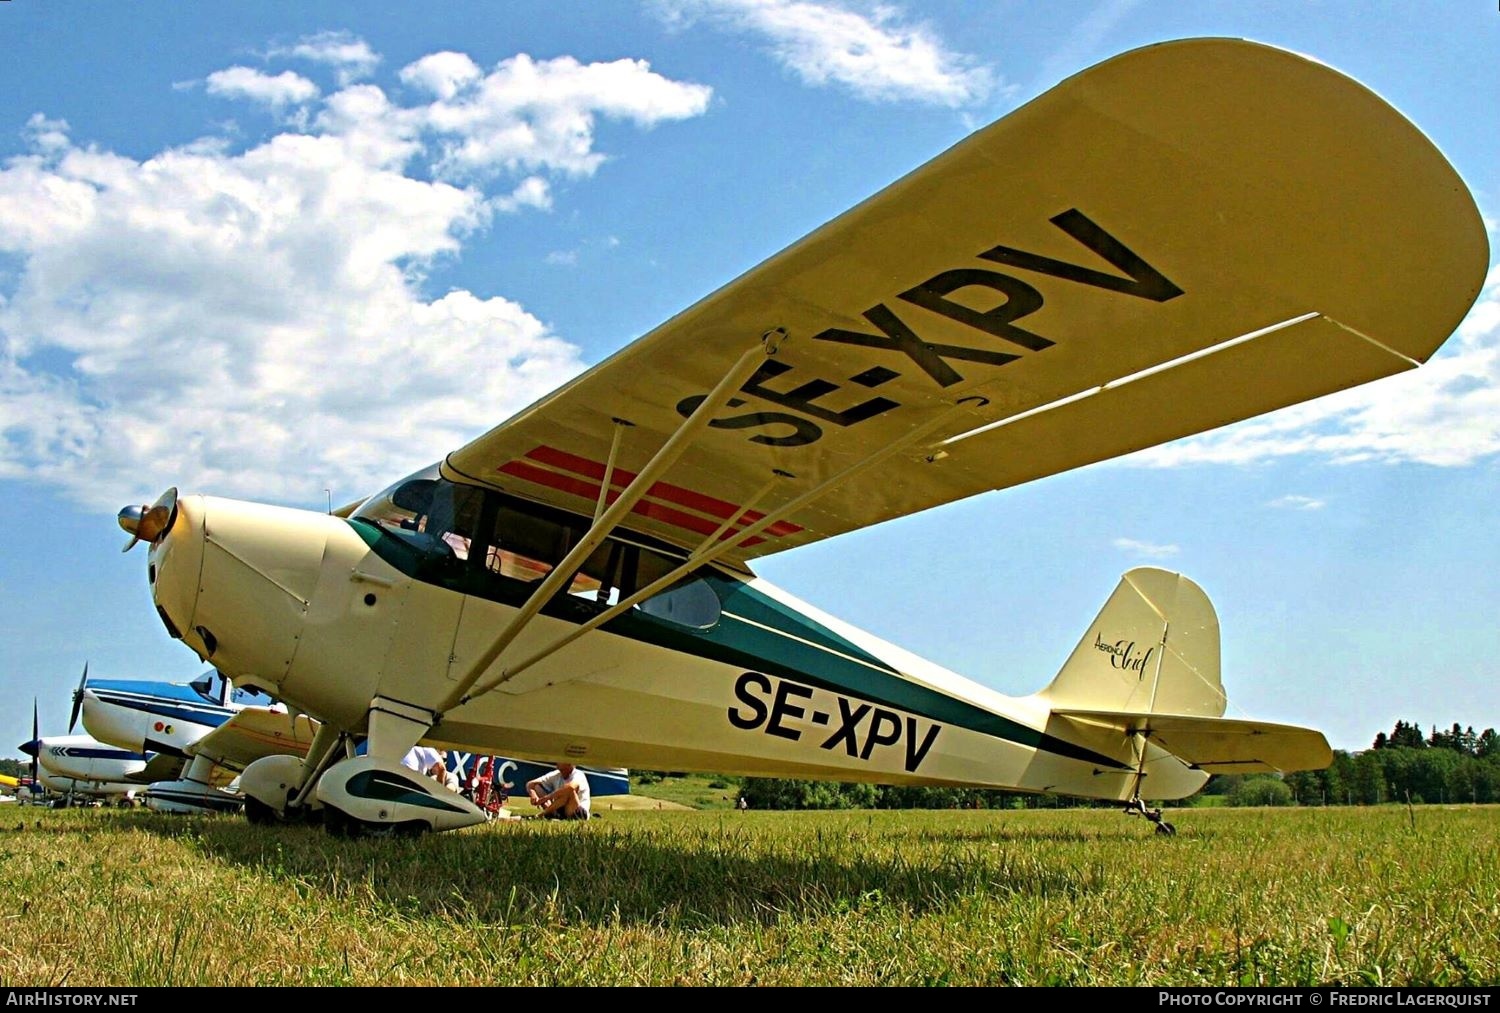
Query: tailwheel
{"x":1138,"y":807}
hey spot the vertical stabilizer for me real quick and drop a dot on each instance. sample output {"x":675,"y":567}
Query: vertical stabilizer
{"x":1153,"y":649}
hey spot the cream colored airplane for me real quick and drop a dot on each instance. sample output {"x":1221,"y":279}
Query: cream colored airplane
{"x":1178,"y":238}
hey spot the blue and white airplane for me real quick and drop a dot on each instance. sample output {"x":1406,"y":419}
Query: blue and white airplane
{"x":80,"y":766}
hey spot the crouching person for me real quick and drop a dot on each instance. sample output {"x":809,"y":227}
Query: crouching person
{"x":561,"y":794}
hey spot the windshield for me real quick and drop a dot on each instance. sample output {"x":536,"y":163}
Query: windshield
{"x":210,"y":686}
{"x":486,"y":543}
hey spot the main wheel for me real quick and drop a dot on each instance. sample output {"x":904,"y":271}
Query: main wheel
{"x":1166,"y":828}
{"x":258,"y":813}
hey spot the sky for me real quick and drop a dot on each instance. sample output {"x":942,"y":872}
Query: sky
{"x":291,"y":252}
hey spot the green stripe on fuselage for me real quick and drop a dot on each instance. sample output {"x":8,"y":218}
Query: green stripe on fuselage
{"x":795,"y":647}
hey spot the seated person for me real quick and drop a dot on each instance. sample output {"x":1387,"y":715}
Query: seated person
{"x":422,"y":759}
{"x":561,"y":794}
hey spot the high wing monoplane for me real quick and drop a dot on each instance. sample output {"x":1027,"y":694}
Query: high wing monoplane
{"x":1181,"y":237}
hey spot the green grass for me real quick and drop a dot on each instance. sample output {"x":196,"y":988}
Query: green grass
{"x":1239,"y":896}
{"x":691,"y":790}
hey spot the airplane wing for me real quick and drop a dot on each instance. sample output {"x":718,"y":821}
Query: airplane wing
{"x":161,"y":767}
{"x":1218,"y":745}
{"x":255,"y":732}
{"x":1178,"y":238}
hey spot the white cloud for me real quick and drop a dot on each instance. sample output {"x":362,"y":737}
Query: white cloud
{"x":562,"y":258}
{"x":251,"y":320}
{"x":1445,"y":413}
{"x":285,"y":88}
{"x":46,"y":135}
{"x":1292,"y":501}
{"x":525,"y":113}
{"x":531,"y":192}
{"x":1150,"y":550}
{"x":878,"y":56}
{"x":351,"y":57}
{"x":442,"y":74}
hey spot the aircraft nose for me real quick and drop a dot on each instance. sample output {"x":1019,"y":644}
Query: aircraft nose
{"x":175,"y":561}
{"x":30,"y":748}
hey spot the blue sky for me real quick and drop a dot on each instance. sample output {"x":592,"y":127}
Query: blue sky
{"x":276,"y":249}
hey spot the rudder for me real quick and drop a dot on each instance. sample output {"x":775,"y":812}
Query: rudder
{"x":1153,"y":649}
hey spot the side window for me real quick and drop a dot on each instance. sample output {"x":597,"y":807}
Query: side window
{"x":691,"y":603}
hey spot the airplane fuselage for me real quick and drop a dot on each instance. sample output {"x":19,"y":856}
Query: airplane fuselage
{"x":721,"y":673}
{"x":156,"y":717}
{"x":82,"y":765}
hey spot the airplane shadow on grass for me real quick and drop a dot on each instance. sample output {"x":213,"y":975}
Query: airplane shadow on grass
{"x":682,"y":875}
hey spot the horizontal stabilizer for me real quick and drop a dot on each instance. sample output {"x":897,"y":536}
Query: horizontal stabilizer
{"x":1218,"y":745}
{"x":253,"y":733}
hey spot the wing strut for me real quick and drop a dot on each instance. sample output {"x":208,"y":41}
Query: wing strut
{"x":606,"y":521}
{"x":708,"y":551}
{"x":609,"y":467}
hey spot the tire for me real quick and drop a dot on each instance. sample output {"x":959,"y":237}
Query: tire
{"x":258,"y":813}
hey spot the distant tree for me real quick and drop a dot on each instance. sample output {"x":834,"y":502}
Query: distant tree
{"x":1380,"y":740}
{"x":1488,"y":744}
{"x":1407,"y":735}
{"x":1306,"y":786}
{"x":1261,"y":789}
{"x":1367,"y":785}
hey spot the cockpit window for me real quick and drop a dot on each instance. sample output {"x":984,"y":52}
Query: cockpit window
{"x":433,"y":519}
{"x":251,"y":697}
{"x":484,"y":543}
{"x":210,"y":686}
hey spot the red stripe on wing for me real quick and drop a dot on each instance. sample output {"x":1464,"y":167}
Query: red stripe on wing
{"x":698,"y":501}
{"x":590,"y":490}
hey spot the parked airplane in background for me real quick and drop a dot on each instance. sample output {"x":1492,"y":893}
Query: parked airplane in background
{"x":1184,"y":236}
{"x":200,"y":734}
{"x":80,"y":766}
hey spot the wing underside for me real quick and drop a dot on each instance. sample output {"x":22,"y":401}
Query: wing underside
{"x":255,"y":732}
{"x":1184,"y":236}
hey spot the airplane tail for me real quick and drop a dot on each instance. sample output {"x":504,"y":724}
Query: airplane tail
{"x":1148,"y":669}
{"x":1153,"y":648}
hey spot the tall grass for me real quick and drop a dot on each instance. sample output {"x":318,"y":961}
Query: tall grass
{"x":724,"y":898}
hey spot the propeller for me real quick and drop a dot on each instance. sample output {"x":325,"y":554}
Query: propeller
{"x":147,"y":524}
{"x":77,"y":698}
{"x":36,"y":735}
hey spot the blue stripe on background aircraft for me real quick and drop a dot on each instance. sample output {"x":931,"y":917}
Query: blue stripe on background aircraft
{"x":1181,"y":237}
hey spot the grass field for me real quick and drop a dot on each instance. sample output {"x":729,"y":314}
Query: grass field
{"x":94,"y":897}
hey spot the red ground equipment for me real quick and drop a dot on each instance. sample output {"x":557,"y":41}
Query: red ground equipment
{"x":483,"y":790}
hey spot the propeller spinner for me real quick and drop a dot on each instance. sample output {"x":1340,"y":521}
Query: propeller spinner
{"x":147,"y":524}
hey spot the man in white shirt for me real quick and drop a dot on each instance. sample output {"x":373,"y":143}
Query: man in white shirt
{"x":561,"y":794}
{"x":422,"y":759}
